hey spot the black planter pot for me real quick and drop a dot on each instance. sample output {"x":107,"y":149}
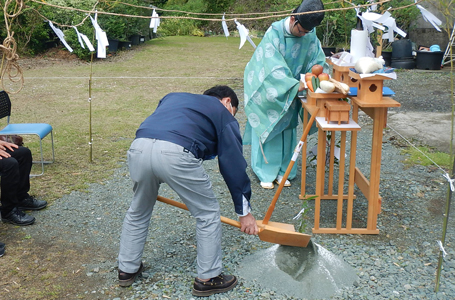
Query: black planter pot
{"x":125,"y":45}
{"x":403,"y":63}
{"x":113,"y":45}
{"x":428,"y":60}
{"x":135,"y":39}
{"x":328,"y":51}
{"x":402,"y":48}
{"x":387,"y":56}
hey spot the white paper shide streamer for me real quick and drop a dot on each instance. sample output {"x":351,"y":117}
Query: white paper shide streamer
{"x":155,"y":21}
{"x":243,"y":32}
{"x":82,"y":38}
{"x":61,"y":36}
{"x":429,"y":17}
{"x":451,"y":181}
{"x":387,"y":20}
{"x":101,"y":37}
{"x":225,"y":28}
{"x":441,"y":248}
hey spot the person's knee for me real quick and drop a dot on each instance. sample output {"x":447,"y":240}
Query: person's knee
{"x":24,"y":152}
{"x":8,"y":164}
{"x":23,"y":155}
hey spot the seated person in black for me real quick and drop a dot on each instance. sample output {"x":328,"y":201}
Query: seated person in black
{"x":15,"y":166}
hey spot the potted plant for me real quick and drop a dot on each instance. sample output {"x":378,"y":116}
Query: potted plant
{"x":386,"y":53}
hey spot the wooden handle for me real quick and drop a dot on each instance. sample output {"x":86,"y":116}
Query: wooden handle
{"x":288,"y":170}
{"x":183,"y":206}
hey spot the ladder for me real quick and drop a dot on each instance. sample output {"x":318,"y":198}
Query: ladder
{"x":447,"y":56}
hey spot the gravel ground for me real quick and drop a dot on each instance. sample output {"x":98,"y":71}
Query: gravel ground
{"x":399,"y":263}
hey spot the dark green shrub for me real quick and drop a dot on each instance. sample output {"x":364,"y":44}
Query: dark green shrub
{"x":31,"y":33}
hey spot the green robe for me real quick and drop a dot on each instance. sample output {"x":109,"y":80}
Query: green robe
{"x":271,"y":83}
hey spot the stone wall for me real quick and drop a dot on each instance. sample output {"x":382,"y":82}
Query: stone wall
{"x":429,"y":36}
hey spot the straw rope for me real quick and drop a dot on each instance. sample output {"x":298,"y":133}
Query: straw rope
{"x":238,"y":17}
{"x":10,"y":57}
{"x":216,"y":14}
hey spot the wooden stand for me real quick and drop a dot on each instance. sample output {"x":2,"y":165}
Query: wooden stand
{"x":341,"y":73}
{"x":337,"y":111}
{"x":369,"y":89}
{"x":319,"y":100}
{"x":375,"y":107}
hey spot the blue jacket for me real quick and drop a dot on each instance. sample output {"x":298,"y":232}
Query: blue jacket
{"x":207,"y":129}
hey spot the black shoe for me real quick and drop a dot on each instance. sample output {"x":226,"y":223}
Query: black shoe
{"x":31,"y":203}
{"x":18,"y":217}
{"x":220,"y":284}
{"x":127,"y":279}
{"x":2,"y":249}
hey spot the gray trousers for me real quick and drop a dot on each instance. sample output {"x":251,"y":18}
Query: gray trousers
{"x":152,"y":162}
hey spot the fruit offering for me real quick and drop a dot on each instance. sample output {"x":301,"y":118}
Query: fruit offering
{"x":318,"y":79}
{"x":317,"y":69}
{"x":323,"y":77}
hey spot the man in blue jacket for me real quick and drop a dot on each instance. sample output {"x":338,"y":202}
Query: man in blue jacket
{"x":170,"y":146}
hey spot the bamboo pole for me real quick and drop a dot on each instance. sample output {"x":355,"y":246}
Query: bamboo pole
{"x":90,"y":139}
{"x":444,"y":230}
{"x":449,"y":191}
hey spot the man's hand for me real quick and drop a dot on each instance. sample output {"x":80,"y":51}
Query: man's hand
{"x":5,"y":145}
{"x":248,"y":224}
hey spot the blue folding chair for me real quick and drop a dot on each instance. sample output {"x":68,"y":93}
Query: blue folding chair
{"x":39,"y":129}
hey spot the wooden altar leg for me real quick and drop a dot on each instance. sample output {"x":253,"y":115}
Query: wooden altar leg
{"x":341,"y":164}
{"x":304,"y":153}
{"x":375,"y":167}
{"x":331,"y":163}
{"x":320,"y":175}
{"x":351,"y":182}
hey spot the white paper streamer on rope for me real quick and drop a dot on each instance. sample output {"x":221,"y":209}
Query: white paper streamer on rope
{"x":155,"y":21}
{"x":82,"y":38}
{"x":368,"y":23}
{"x":243,"y":32}
{"x":101,"y":37}
{"x":79,"y":38}
{"x":451,"y":182}
{"x":88,"y":43}
{"x":61,"y":36}
{"x":441,"y":248}
{"x":429,"y":17}
{"x":387,"y":20}
{"x":225,"y":28}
